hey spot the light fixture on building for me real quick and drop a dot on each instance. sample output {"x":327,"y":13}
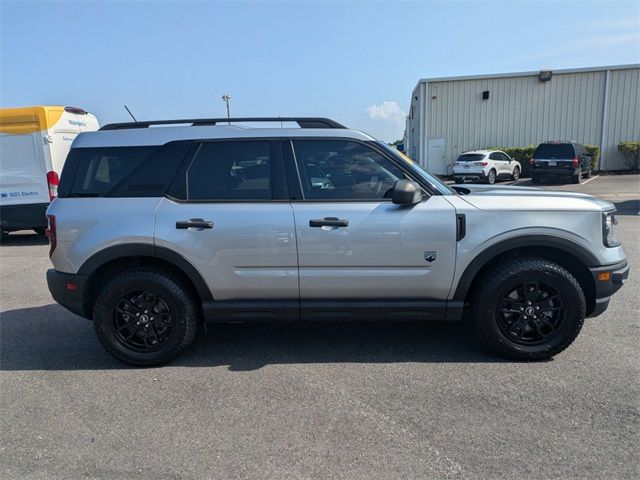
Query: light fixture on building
{"x":485,"y":95}
{"x":545,"y":75}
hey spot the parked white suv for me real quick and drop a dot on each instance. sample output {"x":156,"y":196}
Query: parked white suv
{"x":158,"y":229}
{"x":485,"y":165}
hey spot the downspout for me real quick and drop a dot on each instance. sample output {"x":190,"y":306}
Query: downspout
{"x":423,"y":126}
{"x":605,"y":107}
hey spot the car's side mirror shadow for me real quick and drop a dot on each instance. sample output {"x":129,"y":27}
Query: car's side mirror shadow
{"x":406,"y":192}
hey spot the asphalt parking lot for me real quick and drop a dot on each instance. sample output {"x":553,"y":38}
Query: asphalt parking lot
{"x":403,"y":400}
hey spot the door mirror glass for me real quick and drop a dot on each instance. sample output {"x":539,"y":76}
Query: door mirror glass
{"x":406,"y":192}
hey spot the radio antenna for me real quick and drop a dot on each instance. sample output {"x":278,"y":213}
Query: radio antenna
{"x":129,"y":112}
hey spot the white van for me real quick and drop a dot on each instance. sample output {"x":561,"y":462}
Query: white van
{"x":34,"y":143}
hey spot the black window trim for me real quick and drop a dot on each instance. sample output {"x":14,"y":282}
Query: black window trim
{"x":297,"y":182}
{"x":280,"y":193}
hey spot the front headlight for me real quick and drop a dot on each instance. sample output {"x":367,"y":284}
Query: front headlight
{"x":608,"y":221}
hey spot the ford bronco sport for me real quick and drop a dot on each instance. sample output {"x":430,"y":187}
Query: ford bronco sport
{"x":158,"y":228}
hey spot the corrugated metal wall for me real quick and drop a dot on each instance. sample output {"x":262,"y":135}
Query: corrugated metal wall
{"x":521,"y":110}
{"x":622,"y":123}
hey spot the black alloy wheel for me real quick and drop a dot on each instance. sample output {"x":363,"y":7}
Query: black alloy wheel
{"x":142,"y":321}
{"x":530,"y":313}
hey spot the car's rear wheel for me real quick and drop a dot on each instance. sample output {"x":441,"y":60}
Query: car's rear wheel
{"x":529,"y":309}
{"x":516,"y":174}
{"x":491,"y":177}
{"x":145,"y":317}
{"x":576,"y":178}
{"x":40,"y":230}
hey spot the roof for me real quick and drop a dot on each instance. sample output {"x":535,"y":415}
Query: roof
{"x":22,"y":120}
{"x":481,"y":151}
{"x":527,"y":74}
{"x":162,"y":135}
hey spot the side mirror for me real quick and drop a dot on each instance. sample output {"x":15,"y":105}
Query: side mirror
{"x":406,"y":192}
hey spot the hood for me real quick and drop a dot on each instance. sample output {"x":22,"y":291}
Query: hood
{"x":509,"y":197}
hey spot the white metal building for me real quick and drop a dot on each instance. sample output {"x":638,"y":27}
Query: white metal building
{"x":451,"y":115}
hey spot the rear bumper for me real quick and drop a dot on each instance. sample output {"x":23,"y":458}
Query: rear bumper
{"x":68,"y":290}
{"x":469,"y":175}
{"x":555,"y":172}
{"x":23,"y":217}
{"x":618,"y":274}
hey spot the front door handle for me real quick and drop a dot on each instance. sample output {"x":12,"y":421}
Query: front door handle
{"x":194,"y":223}
{"x":329,"y":222}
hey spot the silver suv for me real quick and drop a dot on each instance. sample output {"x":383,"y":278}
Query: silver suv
{"x":156,"y":230}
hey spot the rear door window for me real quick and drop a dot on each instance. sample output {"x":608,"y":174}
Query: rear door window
{"x":234,"y":170}
{"x":560,"y":151}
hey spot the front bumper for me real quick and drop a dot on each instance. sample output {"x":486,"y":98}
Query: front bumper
{"x":608,"y":280}
{"x":68,"y":290}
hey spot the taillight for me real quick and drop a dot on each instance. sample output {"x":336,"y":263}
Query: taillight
{"x":51,"y":234}
{"x":480,"y":164}
{"x":575,"y":162}
{"x":53,"y":181}
{"x":532,"y":161}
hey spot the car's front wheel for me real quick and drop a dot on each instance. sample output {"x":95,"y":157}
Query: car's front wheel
{"x":516,"y":174}
{"x":528,"y":309}
{"x":145,"y":317}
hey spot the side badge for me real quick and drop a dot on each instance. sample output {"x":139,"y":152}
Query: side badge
{"x":430,"y":256}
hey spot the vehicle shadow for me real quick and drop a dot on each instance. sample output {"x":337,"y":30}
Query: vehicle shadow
{"x":50,"y":338}
{"x":628,"y":207}
{"x":23,"y":240}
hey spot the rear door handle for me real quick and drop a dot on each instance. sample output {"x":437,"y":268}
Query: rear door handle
{"x":329,"y":222}
{"x":194,"y":223}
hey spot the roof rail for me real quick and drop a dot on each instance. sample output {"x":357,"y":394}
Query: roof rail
{"x":303,"y":122}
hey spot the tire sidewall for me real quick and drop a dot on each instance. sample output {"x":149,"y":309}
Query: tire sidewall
{"x":491,"y":180}
{"x":172,"y":294}
{"x":516,"y":174}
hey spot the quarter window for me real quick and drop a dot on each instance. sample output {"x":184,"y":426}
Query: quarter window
{"x":239,"y":170}
{"x":344,"y":170}
{"x":99,"y":170}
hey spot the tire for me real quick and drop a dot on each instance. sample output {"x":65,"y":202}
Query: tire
{"x":514,"y":334}
{"x":40,"y":230}
{"x":577,"y":178}
{"x":172,"y":317}
{"x":515,"y":175}
{"x":535,"y":180}
{"x":491,"y":177}
{"x":458,"y":180}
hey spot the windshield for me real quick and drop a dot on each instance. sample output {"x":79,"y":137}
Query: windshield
{"x":470,"y":157}
{"x":434,"y":182}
